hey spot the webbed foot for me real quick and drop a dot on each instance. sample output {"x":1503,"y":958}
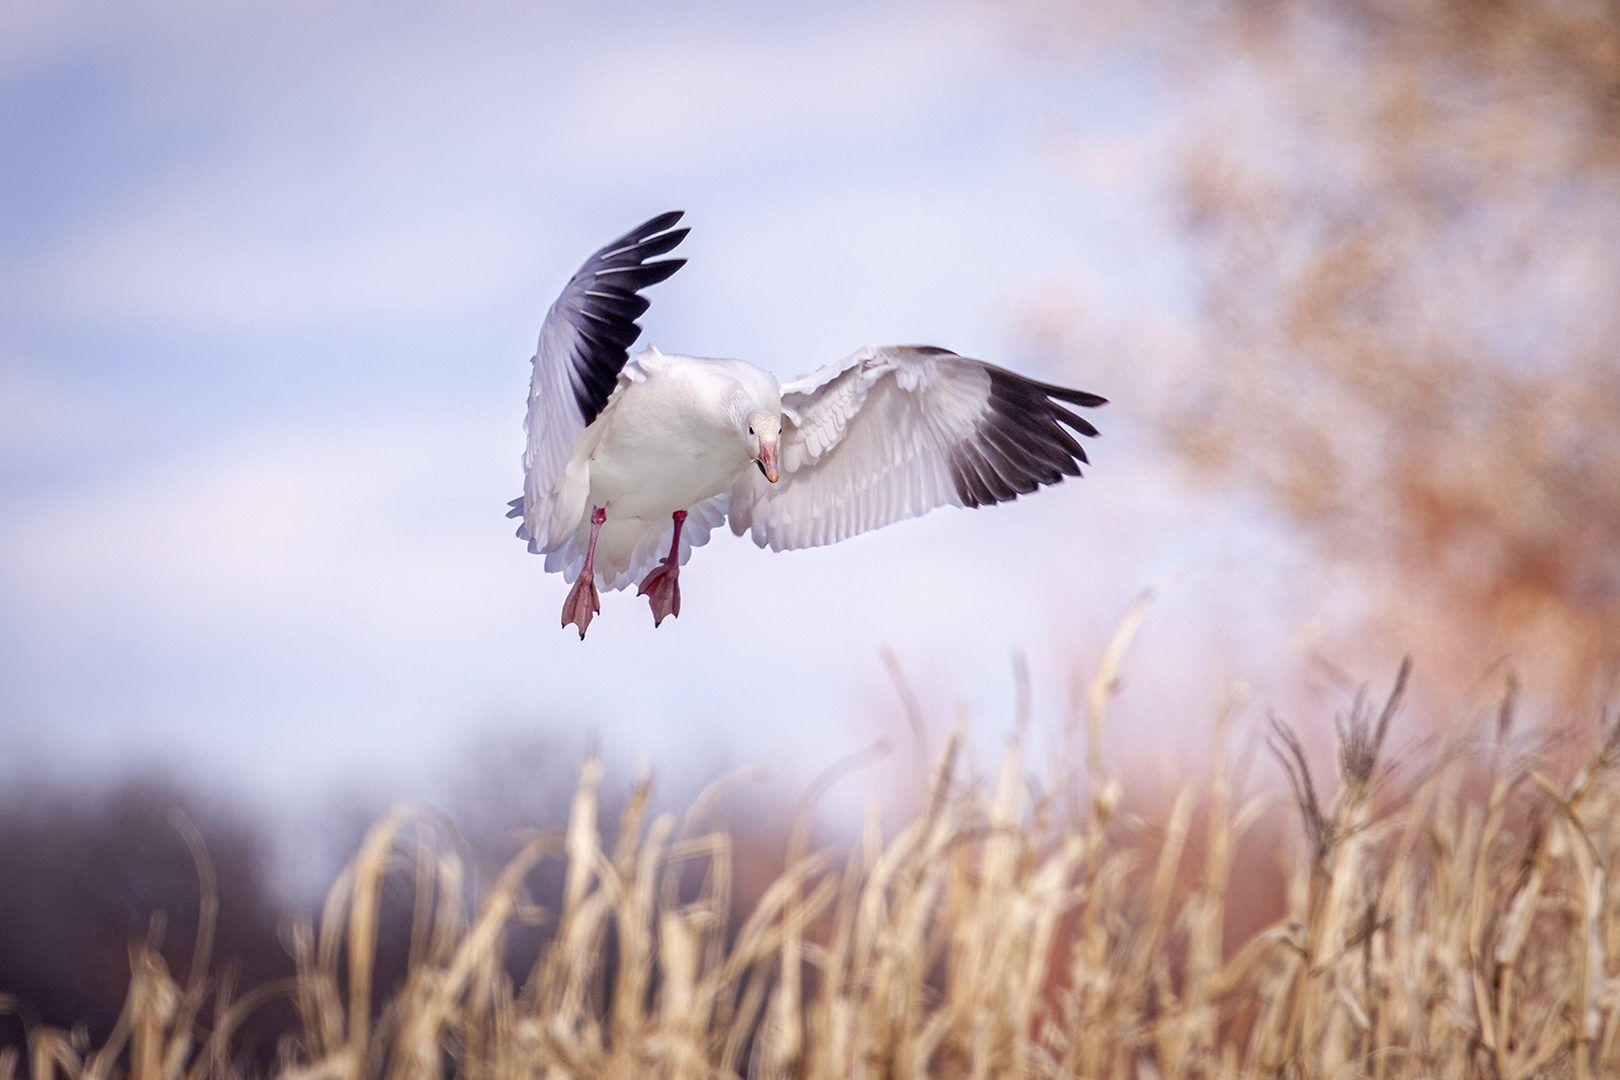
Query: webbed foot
{"x":582,"y":604}
{"x":663,"y":586}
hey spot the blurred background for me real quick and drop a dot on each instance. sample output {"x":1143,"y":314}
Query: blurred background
{"x":270,"y":275}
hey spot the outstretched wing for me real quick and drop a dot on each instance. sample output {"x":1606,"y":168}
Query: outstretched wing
{"x":893,"y":432}
{"x":584,"y":343}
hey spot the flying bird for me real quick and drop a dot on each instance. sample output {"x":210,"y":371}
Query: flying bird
{"x":632,"y":462}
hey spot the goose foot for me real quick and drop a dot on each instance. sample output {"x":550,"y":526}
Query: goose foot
{"x":663,"y":585}
{"x":582,"y":604}
{"x":583,"y":601}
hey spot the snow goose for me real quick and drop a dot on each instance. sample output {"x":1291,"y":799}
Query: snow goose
{"x":628,"y":458}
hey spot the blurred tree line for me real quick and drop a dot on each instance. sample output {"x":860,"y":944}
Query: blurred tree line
{"x":1405,"y":225}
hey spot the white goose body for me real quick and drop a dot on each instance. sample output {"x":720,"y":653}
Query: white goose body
{"x":628,"y":459}
{"x":666,"y":441}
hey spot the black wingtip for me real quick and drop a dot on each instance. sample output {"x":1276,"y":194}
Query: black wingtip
{"x":1062,"y":393}
{"x":1075,"y":397}
{"x":662,"y":242}
{"x":602,"y":303}
{"x":1021,"y":443}
{"x":660,"y":223}
{"x":634,"y":276}
{"x":648,"y":238}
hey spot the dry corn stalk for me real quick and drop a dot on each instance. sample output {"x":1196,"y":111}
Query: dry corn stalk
{"x":1465,"y":924}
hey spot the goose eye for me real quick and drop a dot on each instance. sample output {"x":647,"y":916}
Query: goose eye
{"x":750,"y":429}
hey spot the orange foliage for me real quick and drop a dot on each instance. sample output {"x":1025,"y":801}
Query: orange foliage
{"x":1405,"y":221}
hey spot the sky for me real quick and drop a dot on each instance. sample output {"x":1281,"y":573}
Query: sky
{"x":270,"y":275}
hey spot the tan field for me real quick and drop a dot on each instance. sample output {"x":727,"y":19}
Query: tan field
{"x":1456,"y":917}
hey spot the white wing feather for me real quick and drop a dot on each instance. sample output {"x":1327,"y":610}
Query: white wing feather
{"x":864,"y":444}
{"x":893,"y":432}
{"x":552,"y":424}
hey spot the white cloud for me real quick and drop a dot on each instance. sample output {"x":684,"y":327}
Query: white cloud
{"x":34,"y":31}
{"x":41,"y":416}
{"x":411,"y":170}
{"x":183,"y":270}
{"x":868,"y":71}
{"x":362,"y":530}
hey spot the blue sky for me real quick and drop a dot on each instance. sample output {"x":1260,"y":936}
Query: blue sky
{"x":269,"y":278}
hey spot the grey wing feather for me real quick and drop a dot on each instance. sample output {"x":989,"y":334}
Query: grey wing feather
{"x":584,"y":343}
{"x":893,"y":432}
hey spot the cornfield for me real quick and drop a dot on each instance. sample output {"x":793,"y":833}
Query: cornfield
{"x":1458,"y":919}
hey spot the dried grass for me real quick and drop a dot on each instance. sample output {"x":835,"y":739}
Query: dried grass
{"x":1469,"y":926}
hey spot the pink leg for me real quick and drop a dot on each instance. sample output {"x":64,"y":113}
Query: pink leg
{"x":583,"y":601}
{"x":663,"y":585}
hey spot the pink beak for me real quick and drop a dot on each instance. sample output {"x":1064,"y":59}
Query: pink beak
{"x":767,"y":460}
